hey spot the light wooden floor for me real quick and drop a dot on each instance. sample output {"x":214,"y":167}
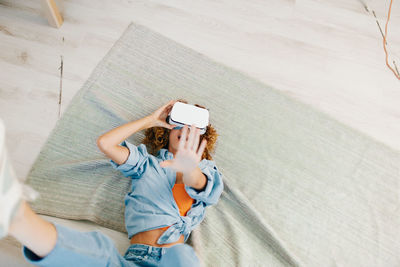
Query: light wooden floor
{"x":327,"y":53}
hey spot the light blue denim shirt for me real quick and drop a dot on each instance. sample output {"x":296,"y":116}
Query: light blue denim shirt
{"x":151,"y":205}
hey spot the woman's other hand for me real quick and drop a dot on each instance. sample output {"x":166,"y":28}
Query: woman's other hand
{"x":189,"y":152}
{"x":159,"y":116}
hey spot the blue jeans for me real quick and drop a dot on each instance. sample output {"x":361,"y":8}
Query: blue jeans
{"x":74,"y":248}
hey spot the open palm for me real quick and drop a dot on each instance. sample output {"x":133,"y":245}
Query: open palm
{"x":189,"y":152}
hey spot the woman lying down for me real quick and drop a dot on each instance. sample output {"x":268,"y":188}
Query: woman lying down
{"x":168,"y":197}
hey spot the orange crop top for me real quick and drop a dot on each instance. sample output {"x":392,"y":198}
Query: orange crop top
{"x":182,"y":199}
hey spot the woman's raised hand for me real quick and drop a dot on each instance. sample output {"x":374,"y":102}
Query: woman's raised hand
{"x":160,"y":115}
{"x":189,"y":152}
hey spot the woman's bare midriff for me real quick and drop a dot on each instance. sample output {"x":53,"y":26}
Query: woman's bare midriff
{"x":150,"y":238}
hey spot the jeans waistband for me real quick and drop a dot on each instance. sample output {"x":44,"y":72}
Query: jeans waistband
{"x":142,"y":250}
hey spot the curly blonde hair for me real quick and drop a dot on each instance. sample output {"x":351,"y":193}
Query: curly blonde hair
{"x":158,"y":137}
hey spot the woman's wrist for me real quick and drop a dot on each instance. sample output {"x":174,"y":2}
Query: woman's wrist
{"x":153,"y":121}
{"x":195,"y":179}
{"x":150,"y":121}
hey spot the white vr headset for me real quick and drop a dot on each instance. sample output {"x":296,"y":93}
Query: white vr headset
{"x":185,"y":114}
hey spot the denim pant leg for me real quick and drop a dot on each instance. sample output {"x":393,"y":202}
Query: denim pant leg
{"x":74,"y":248}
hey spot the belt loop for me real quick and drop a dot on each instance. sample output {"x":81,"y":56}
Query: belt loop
{"x":149,"y":250}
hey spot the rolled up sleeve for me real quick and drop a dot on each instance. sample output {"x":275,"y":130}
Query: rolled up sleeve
{"x":135,"y":164}
{"x":212,"y":192}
